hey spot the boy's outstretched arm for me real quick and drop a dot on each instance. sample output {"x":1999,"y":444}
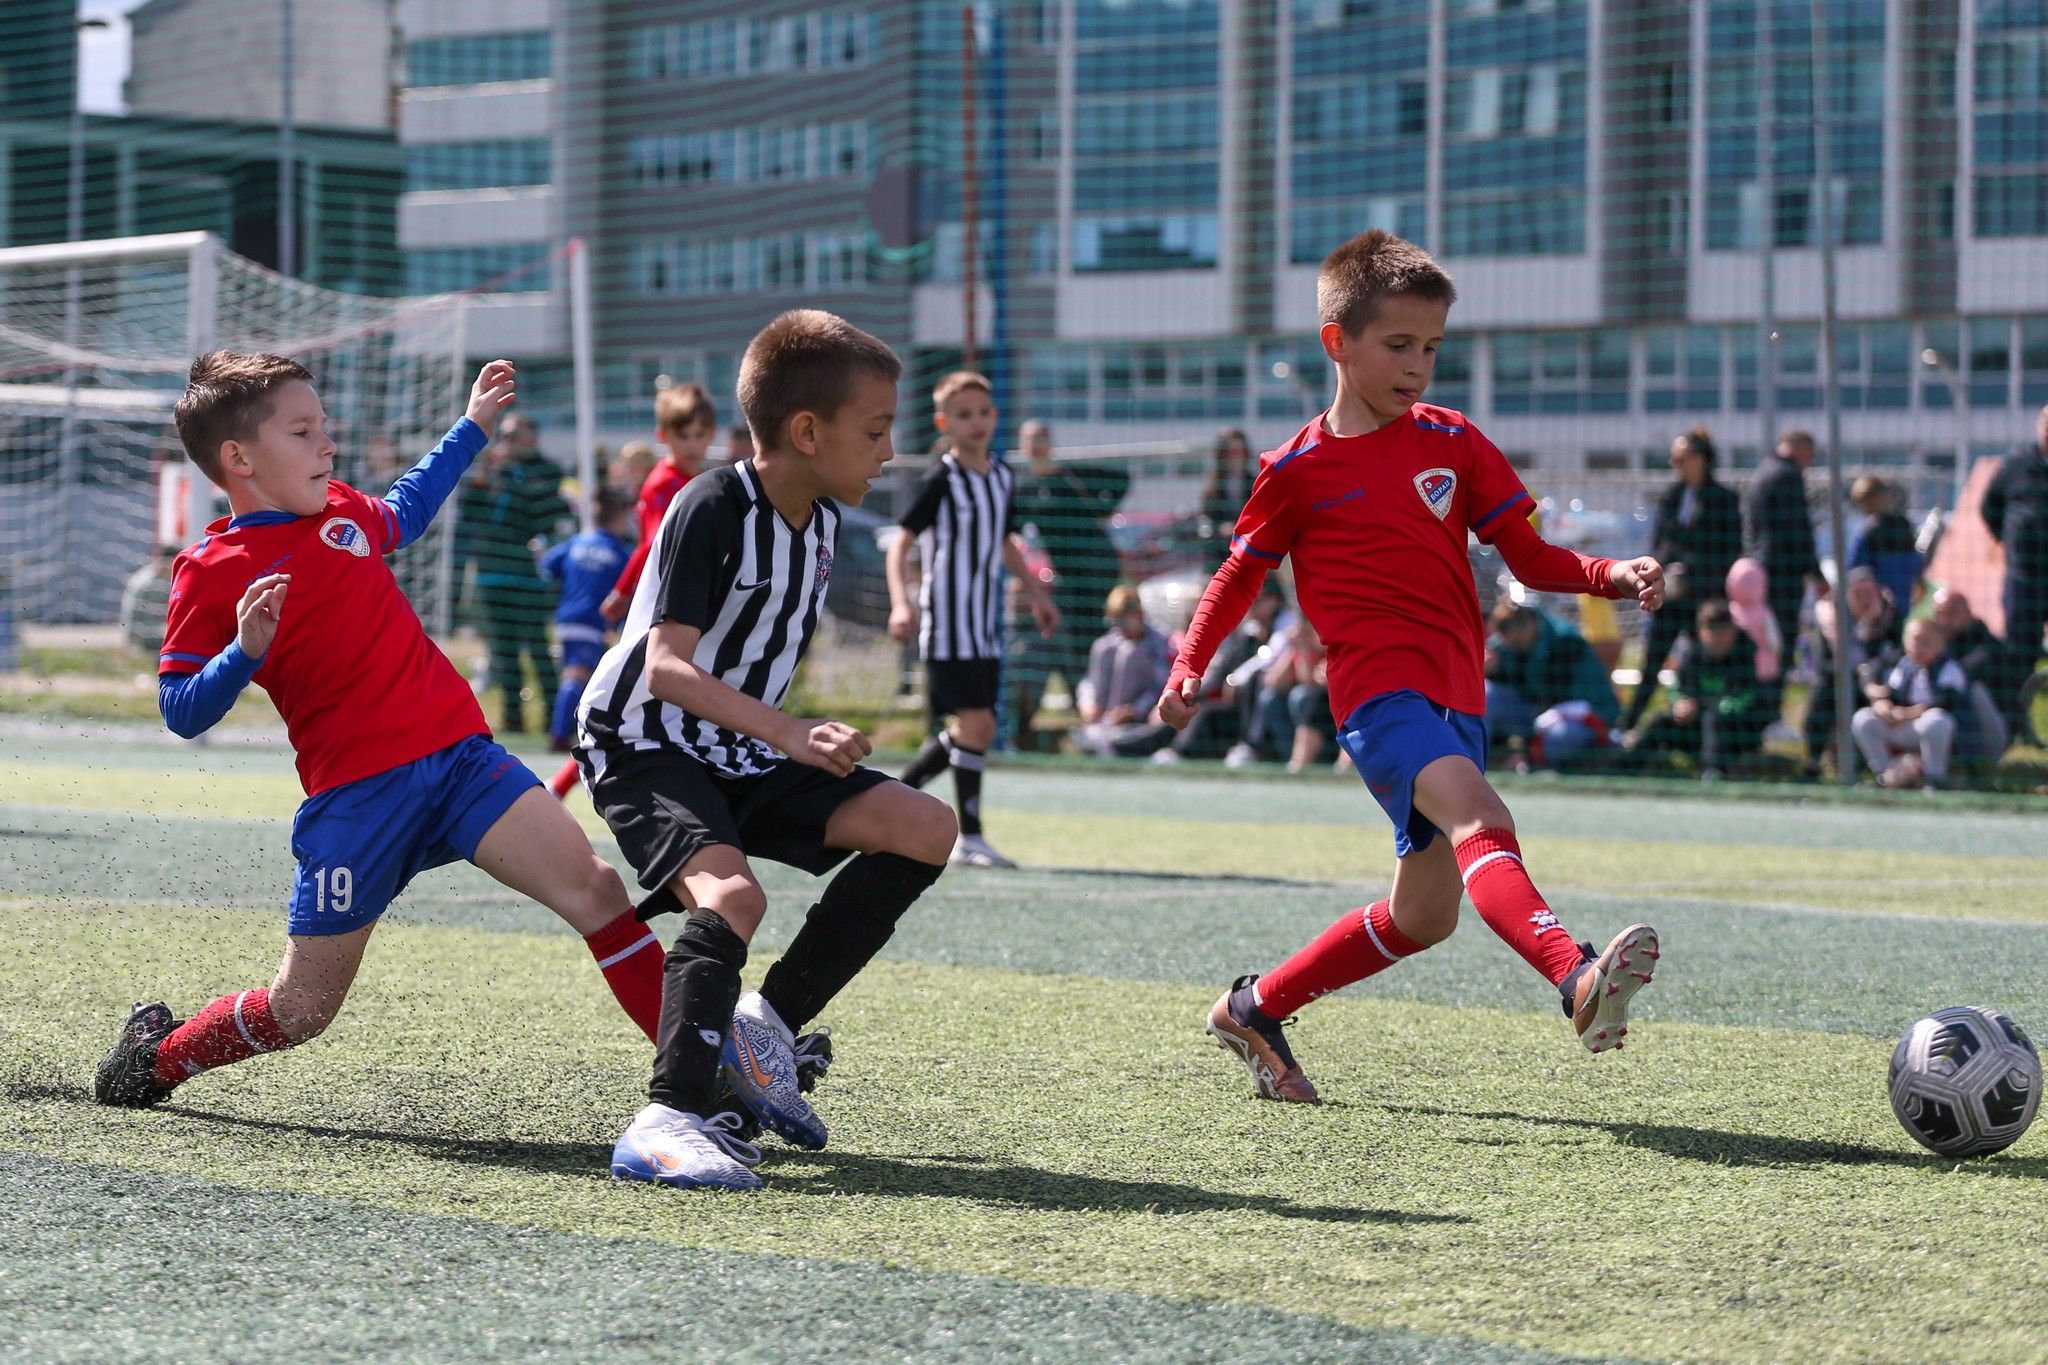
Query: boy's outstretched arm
{"x":673,"y":677}
{"x":420,"y":491}
{"x":1553,"y":568}
{"x":192,"y":703}
{"x":1228,"y":597}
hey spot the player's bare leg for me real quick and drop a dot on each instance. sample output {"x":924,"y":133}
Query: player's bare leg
{"x":539,"y":850}
{"x":314,"y":980}
{"x":1595,"y":987}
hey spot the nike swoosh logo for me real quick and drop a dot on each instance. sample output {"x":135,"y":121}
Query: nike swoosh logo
{"x":750,"y":587}
{"x":761,"y":1078}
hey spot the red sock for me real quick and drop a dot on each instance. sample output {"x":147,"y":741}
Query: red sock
{"x":1512,"y":907}
{"x":1360,"y":944}
{"x":231,"y":1029}
{"x":564,"y":781}
{"x":630,"y":957}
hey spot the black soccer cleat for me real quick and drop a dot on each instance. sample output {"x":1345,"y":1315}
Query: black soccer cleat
{"x":127,"y":1075}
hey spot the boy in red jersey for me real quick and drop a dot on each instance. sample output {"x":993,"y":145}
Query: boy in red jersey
{"x":400,"y":770}
{"x":1373,"y":500}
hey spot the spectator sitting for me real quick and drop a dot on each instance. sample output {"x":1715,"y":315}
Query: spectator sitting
{"x":1749,"y":604}
{"x":1546,"y":687}
{"x":1873,"y":649}
{"x":1295,"y":700}
{"x":1720,"y":708}
{"x":1909,"y":728}
{"x":1995,"y":674}
{"x":1127,"y":671}
{"x":1885,"y":544}
{"x":1230,"y":691}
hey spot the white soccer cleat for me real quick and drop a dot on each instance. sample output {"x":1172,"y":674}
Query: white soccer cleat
{"x":972,"y":850}
{"x":1605,"y":985}
{"x":668,"y":1147}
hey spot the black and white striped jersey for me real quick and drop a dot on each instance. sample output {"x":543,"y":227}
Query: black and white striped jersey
{"x":961,"y":520}
{"x":726,"y":562}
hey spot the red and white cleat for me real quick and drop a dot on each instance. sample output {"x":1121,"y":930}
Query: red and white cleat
{"x":1604,"y":986}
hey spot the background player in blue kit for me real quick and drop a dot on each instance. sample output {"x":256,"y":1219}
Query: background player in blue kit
{"x":585,"y":566}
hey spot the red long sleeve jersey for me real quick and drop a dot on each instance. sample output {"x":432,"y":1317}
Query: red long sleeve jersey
{"x":657,"y":491}
{"x":1376,"y":525}
{"x":361,"y":688}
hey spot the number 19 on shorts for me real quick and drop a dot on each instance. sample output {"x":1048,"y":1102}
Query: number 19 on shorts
{"x":334,"y":890}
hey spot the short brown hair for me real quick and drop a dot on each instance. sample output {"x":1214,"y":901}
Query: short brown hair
{"x":227,"y":396}
{"x":806,"y":361}
{"x":679,"y":407}
{"x":1700,"y":442}
{"x":959,"y":382}
{"x":1371,"y":268}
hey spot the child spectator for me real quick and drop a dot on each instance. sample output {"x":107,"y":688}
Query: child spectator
{"x":1884,"y":544}
{"x":583,"y":568}
{"x":1909,"y":729}
{"x":1546,"y":687}
{"x":1720,"y":709}
{"x":964,"y":524}
{"x":1294,"y":697}
{"x":1873,"y":648}
{"x":1127,"y":670}
{"x":1230,"y":692}
{"x":1375,"y":502}
{"x":684,"y":419}
{"x":400,"y":770}
{"x":630,"y":468}
{"x":697,"y":769}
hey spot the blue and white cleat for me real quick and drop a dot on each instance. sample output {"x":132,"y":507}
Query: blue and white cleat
{"x":668,"y":1147}
{"x":759,"y":1064}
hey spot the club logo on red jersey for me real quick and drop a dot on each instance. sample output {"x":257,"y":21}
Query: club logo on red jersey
{"x":343,"y":534}
{"x":1436,"y":487}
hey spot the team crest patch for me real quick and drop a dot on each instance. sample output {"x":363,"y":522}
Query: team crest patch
{"x":824,"y":574}
{"x":343,"y":534}
{"x":1436,"y":487}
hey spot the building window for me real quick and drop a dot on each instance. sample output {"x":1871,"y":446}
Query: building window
{"x":773,"y":262}
{"x":480,"y":59}
{"x":1682,"y":370}
{"x":1518,"y":225}
{"x":518,"y":268}
{"x":1558,"y":373}
{"x":499,"y":163}
{"x":715,"y":49}
{"x":1146,"y":242}
{"x":746,"y":156}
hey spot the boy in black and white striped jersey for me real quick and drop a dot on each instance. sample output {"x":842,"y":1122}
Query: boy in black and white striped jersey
{"x":679,"y":739}
{"x":965,"y":524}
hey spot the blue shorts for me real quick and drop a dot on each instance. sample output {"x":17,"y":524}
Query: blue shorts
{"x":582,"y":654}
{"x":1391,"y":739}
{"x":360,"y":843}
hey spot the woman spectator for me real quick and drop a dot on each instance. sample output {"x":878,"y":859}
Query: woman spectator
{"x":1698,"y":536}
{"x":1231,"y":471}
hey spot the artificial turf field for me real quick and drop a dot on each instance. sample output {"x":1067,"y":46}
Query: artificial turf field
{"x":1035,"y":1152}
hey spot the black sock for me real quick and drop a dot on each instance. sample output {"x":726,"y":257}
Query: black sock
{"x":967,"y":765}
{"x":843,"y":932}
{"x":929,"y":763}
{"x":700,"y":984}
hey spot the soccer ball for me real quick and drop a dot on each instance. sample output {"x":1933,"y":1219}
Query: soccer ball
{"x":1965,"y":1081}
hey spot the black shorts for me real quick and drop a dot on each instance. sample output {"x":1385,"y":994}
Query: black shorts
{"x":664,"y":807}
{"x":955,"y":685}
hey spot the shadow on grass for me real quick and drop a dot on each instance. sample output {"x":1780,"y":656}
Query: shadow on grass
{"x":1718,"y":1148}
{"x":994,"y":1182}
{"x":946,"y":1176}
{"x":1109,"y":874}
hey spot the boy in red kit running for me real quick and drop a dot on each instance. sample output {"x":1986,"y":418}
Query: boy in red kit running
{"x":1373,"y":500}
{"x":400,"y":770}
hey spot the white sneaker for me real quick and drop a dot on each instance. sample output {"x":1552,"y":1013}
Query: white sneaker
{"x":973,"y":850}
{"x":1240,"y":756}
{"x":669,"y":1147}
{"x":1164,"y":757}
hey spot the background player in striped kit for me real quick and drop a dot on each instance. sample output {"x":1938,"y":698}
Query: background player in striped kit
{"x":965,"y":524}
{"x":680,"y":731}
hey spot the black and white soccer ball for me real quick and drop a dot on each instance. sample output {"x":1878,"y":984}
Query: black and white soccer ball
{"x":1965,"y":1081}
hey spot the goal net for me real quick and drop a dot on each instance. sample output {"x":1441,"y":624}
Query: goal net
{"x":95,"y":341}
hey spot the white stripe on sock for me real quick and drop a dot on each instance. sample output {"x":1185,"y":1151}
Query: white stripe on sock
{"x":1483,"y":861}
{"x":1388,"y":953}
{"x":247,"y":1036}
{"x":622,"y":954}
{"x":968,"y":759}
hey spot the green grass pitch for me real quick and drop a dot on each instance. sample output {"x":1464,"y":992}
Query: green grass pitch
{"x":1035,"y":1153}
